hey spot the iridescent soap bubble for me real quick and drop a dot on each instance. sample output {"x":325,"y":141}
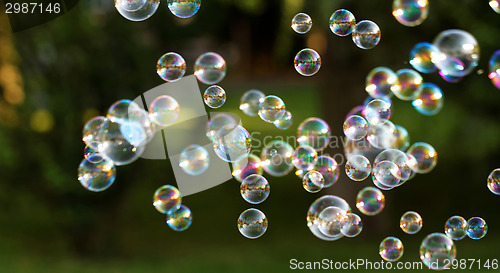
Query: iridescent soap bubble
{"x":164,"y":110}
{"x":88,"y":152}
{"x":342,"y":22}
{"x":355,"y":127}
{"x":130,"y":113}
{"x":277,"y":158}
{"x":380,"y":185}
{"x":250,"y":101}
{"x":232,"y":143}
{"x":285,"y":121}
{"x":304,"y":157}
{"x":459,"y":52}
{"x":313,"y":181}
{"x":137,"y":10}
{"x":425,"y":156}
{"x":210,"y":68}
{"x":96,"y":173}
{"x":456,"y":228}
{"x":401,"y":138}
{"x":495,"y":5}
{"x":378,"y":111}
{"x":179,"y":218}
{"x":410,"y":222}
{"x":184,"y":8}
{"x":314,"y":221}
{"x":366,"y":34}
{"x":476,"y":228}
{"x":166,"y":198}
{"x":252,"y":223}
{"x":423,"y":57}
{"x":301,"y":23}
{"x":370,"y":201}
{"x":352,"y":225}
{"x":494,"y":181}
{"x":430,"y":99}
{"x":214,"y":96}
{"x":391,"y":249}
{"x":122,"y":141}
{"x":494,"y":68}
{"x":216,"y":122}
{"x":271,"y":108}
{"x":329,"y":169}
{"x":437,"y":251}
{"x":171,"y":67}
{"x":381,"y":82}
{"x":385,"y":173}
{"x":90,"y":134}
{"x":314,"y":132}
{"x":194,"y":159}
{"x":255,"y":189}
{"x":403,"y":162}
{"x":307,"y":62}
{"x":358,"y":168}
{"x":331,"y":220}
{"x":410,"y":84}
{"x":381,"y":135}
{"x":410,"y":12}
{"x":247,"y":166}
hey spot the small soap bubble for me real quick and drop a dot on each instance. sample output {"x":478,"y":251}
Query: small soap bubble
{"x":495,"y":5}
{"x":423,"y":57}
{"x":476,"y":228}
{"x":425,"y":155}
{"x":179,"y":218}
{"x":331,"y":220}
{"x":137,"y":10}
{"x":355,"y":127}
{"x":271,"y":108}
{"x":370,"y":201}
{"x":96,"y":173}
{"x":307,"y":62}
{"x":90,"y":134}
{"x":214,"y":96}
{"x":277,"y":158}
{"x":232,"y":143}
{"x":250,"y":101}
{"x":401,"y":138}
{"x":194,"y":159}
{"x":456,"y":228}
{"x":184,"y":8}
{"x":430,"y":99}
{"x":410,"y":84}
{"x":437,"y":251}
{"x":255,"y":189}
{"x":410,"y":222}
{"x":329,"y":168}
{"x":313,"y":181}
{"x":459,"y":52}
{"x":358,"y":168}
{"x":210,"y":68}
{"x":166,"y":198}
{"x":391,"y":249}
{"x":164,"y":110}
{"x":301,"y":23}
{"x":314,"y":222}
{"x":171,"y":67}
{"x":381,"y":82}
{"x":494,"y":181}
{"x":247,"y":166}
{"x":285,"y":121}
{"x":314,"y":132}
{"x":410,"y":13}
{"x":304,"y":157}
{"x":252,"y":223}
{"x":378,"y":111}
{"x":342,"y":22}
{"x":352,"y":225}
{"x":494,"y":68}
{"x":366,"y":34}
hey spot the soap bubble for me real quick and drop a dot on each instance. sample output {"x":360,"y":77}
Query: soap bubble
{"x":358,"y":168}
{"x":252,"y":223}
{"x":171,"y":67}
{"x":342,"y":22}
{"x":314,"y":221}
{"x":307,"y":62}
{"x":313,"y":181}
{"x":137,"y":10}
{"x":194,"y":159}
{"x":437,"y":251}
{"x":495,"y":5}
{"x":96,"y":173}
{"x":166,"y":198}
{"x":247,"y":166}
{"x":476,"y":228}
{"x":250,"y":101}
{"x":403,"y":163}
{"x":352,"y":225}
{"x":494,"y":67}
{"x":385,"y":173}
{"x":456,"y":228}
{"x":216,"y":122}
{"x":366,"y":34}
{"x":410,"y":12}
{"x":305,"y":157}
{"x":277,"y":158}
{"x":301,"y":23}
{"x":380,"y":185}
{"x":381,"y":135}
{"x":164,"y":110}
{"x":232,"y":143}
{"x":494,"y":181}
{"x":425,"y":155}
{"x":459,"y":52}
{"x":129,"y":113}
{"x":370,"y":201}
{"x":91,"y":132}
{"x":410,"y":222}
{"x":391,"y":249}
{"x":179,"y":218}
{"x":88,"y":152}
{"x":331,"y":220}
{"x":272,"y":108}
{"x":355,"y":127}
{"x":423,"y":57}
{"x":210,"y":68}
{"x":214,"y":96}
{"x":378,"y":111}
{"x":430,"y":100}
{"x":329,"y":169}
{"x":410,"y":84}
{"x":381,"y":82}
{"x":184,"y":8}
{"x":401,"y":138}
{"x":285,"y":121}
{"x":255,"y":189}
{"x":314,"y":132}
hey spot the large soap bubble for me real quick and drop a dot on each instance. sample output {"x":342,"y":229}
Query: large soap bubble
{"x":232,"y":143}
{"x":366,"y":34}
{"x":314,"y":221}
{"x":459,"y":52}
{"x":210,"y":68}
{"x":437,"y":251}
{"x":137,"y":10}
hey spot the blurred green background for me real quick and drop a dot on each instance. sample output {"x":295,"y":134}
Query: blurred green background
{"x":56,"y":76}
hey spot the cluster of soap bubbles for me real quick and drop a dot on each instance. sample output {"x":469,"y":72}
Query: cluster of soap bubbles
{"x":167,"y":200}
{"x":270,"y":109}
{"x":140,"y":10}
{"x":365,"y":34}
{"x":253,"y":223}
{"x":457,"y":228}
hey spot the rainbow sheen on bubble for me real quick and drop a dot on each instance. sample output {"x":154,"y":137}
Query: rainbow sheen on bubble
{"x":96,"y":173}
{"x":329,"y":169}
{"x":252,"y":223}
{"x":411,"y":222}
{"x":476,"y":228}
{"x":285,"y":121}
{"x":90,"y":133}
{"x":184,"y":8}
{"x":437,"y":251}
{"x":342,"y":22}
{"x":301,"y":23}
{"x":232,"y":143}
{"x":250,"y":101}
{"x":313,"y":181}
{"x":88,"y":152}
{"x":171,"y":67}
{"x":164,"y":110}
{"x":277,"y":158}
{"x":402,"y":170}
{"x":410,"y":84}
{"x":423,"y":57}
{"x":216,"y":122}
{"x":410,"y":13}
{"x":314,"y":132}
{"x":386,"y":174}
{"x":194,"y":159}
{"x":214,"y":96}
{"x":331,"y":220}
{"x":370,"y":201}
{"x":401,"y":138}
{"x":307,"y":62}
{"x":358,"y":168}
{"x":355,"y":127}
{"x":271,"y":108}
{"x":366,"y":34}
{"x":425,"y":156}
{"x":381,"y":135}
{"x":495,"y":5}
{"x":247,"y":166}
{"x":493,"y":181}
{"x":430,"y":99}
{"x":314,"y":221}
{"x":179,"y":218}
{"x":255,"y":189}
{"x":391,"y":249}
{"x":494,"y":69}
{"x":459,"y":52}
{"x":137,"y":10}
{"x":210,"y":68}
{"x":351,"y":225}
{"x":166,"y":198}
{"x":378,"y":111}
{"x":304,"y":157}
{"x":380,"y":82}
{"x":456,"y":228}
